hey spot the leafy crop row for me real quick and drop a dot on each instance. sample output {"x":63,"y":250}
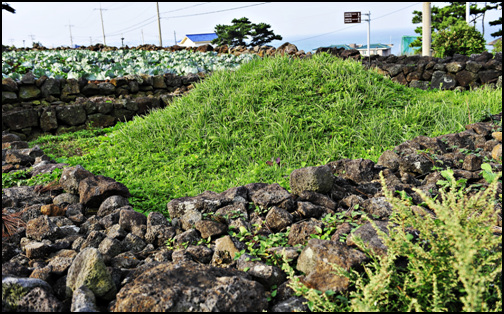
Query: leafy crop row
{"x":94,"y":65}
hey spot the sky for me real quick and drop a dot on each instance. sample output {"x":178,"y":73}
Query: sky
{"x":308,"y":25}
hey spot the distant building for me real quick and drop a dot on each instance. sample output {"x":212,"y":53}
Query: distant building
{"x":375,"y":49}
{"x":494,"y":41}
{"x":405,"y":45}
{"x":196,"y":40}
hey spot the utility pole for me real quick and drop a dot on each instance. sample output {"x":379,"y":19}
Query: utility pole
{"x":368,"y":31}
{"x":159,"y":26}
{"x":468,"y":10}
{"x":24,"y":46}
{"x":426,"y":29}
{"x":103,"y":28}
{"x":90,"y":41}
{"x":175,"y":37}
{"x":70,"y":28}
{"x":32,"y":38}
{"x":142,"y":38}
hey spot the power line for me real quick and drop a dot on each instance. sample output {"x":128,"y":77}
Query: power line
{"x":153,"y":18}
{"x":192,"y":6}
{"x":341,"y":29}
{"x":246,"y":6}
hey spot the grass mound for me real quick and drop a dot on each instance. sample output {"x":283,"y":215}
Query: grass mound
{"x":272,"y":116}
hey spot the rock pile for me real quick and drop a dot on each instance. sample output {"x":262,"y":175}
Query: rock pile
{"x":84,"y":248}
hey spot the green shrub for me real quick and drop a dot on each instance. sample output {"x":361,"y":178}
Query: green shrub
{"x":454,"y":265}
{"x":459,"y":38}
{"x":497,"y":47}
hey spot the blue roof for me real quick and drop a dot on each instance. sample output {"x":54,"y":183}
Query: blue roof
{"x":202,"y":37}
{"x":374,"y":46}
{"x":347,"y":47}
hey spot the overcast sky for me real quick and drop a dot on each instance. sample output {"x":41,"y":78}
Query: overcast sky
{"x":306,"y":24}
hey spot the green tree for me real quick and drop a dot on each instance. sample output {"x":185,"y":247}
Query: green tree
{"x":498,"y":6}
{"x":262,"y":35}
{"x":7,"y":7}
{"x":235,"y":34}
{"x":442,"y":18}
{"x":459,"y":38}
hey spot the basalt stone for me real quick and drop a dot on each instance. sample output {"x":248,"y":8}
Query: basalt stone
{"x":50,"y":87}
{"x":42,"y":228}
{"x":315,"y":261}
{"x":270,"y":195}
{"x":370,"y":237}
{"x":300,"y":232}
{"x":489,"y":76}
{"x":88,"y":269}
{"x":71,"y":178}
{"x":307,"y":210}
{"x":473,"y":67}
{"x":423,"y":85}
{"x":111,"y":204}
{"x":316,"y":179}
{"x":9,"y":85}
{"x":441,"y":80}
{"x":317,"y":199}
{"x":40,"y":300}
{"x":93,"y":190}
{"x":357,"y":170}
{"x":209,"y":228}
{"x":106,"y":88}
{"x":267,"y":275}
{"x":21,"y":119}
{"x":99,"y":120}
{"x":71,"y":115}
{"x":129,"y":218}
{"x":29,"y":92}
{"x":465,"y":78}
{"x":191,"y":287}
{"x":278,"y":219}
{"x":455,"y":67}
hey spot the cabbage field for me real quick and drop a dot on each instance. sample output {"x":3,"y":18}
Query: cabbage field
{"x":94,"y":65}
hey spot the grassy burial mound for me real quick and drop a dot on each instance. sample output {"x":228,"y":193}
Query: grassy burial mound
{"x":271,"y":116}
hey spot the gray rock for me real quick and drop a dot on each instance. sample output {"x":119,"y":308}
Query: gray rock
{"x":316,"y":179}
{"x":88,"y":269}
{"x":40,"y":300}
{"x":189,"y":287}
{"x":315,"y":261}
{"x":278,"y":219}
{"x":83,"y":300}
{"x":370,"y":237}
{"x":111,"y":204}
{"x":72,"y":176}
{"x":267,"y":275}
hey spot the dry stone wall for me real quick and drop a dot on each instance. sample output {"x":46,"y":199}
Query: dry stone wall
{"x":458,"y":72}
{"x":32,"y":106}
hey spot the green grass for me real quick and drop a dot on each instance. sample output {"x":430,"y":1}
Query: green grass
{"x":305,"y":112}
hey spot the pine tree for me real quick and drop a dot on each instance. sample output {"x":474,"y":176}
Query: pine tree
{"x":241,"y":29}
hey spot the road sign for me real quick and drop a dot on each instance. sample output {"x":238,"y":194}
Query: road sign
{"x":352,"y":17}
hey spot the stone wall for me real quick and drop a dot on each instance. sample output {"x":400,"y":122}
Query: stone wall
{"x":32,"y":106}
{"x":458,"y":72}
